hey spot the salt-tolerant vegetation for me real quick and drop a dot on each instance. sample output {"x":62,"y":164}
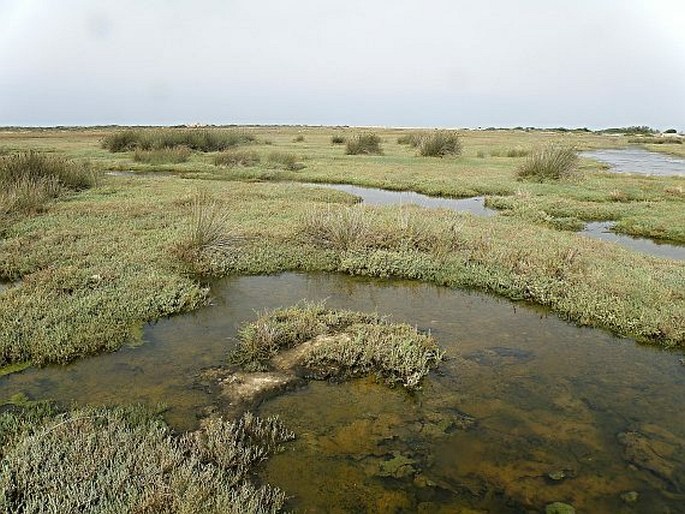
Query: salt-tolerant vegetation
{"x":371,"y":344}
{"x":91,"y":258}
{"x":128,"y":460}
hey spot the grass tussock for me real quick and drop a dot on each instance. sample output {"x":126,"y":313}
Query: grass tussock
{"x":128,"y":460}
{"x":440,"y":143}
{"x":206,"y":236}
{"x":370,"y":344}
{"x":203,"y":140}
{"x":338,"y":139}
{"x":28,"y":180}
{"x":552,"y":162}
{"x":413,"y":139}
{"x":298,"y":138}
{"x":285,"y":160}
{"x":237,"y":158}
{"x":174,"y":155}
{"x":366,"y":143}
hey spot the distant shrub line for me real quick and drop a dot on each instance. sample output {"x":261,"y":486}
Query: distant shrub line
{"x":203,"y":140}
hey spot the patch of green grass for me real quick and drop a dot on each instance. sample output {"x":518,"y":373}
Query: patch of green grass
{"x":370,"y":344}
{"x":366,"y":143}
{"x":173,"y":155}
{"x":657,"y":140}
{"x":128,"y":460}
{"x":510,"y":152}
{"x":552,"y":162}
{"x":235,"y":158}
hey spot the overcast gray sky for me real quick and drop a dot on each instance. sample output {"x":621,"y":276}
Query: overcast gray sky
{"x":574,"y":63}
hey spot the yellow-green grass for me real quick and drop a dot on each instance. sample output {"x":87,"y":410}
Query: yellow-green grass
{"x":101,"y":262}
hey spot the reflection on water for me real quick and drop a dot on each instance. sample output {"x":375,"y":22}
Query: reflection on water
{"x":374,"y":196}
{"x":602,"y":230}
{"x":638,"y":160}
{"x":528,"y":409}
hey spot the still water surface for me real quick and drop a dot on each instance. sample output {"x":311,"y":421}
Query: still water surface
{"x":638,"y":160}
{"x":527,"y":410}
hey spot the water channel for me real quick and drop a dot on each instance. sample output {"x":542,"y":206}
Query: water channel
{"x":527,"y":410}
{"x":638,"y":160}
{"x":475,"y":206}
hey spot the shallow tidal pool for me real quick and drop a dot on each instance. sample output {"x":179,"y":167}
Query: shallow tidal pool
{"x":527,"y":409}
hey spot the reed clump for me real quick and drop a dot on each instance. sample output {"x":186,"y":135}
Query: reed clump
{"x":285,"y":160}
{"x":366,"y":143}
{"x":439,"y":143}
{"x":29,"y":179}
{"x":237,"y":158}
{"x":552,"y":162}
{"x":174,"y":155}
{"x":203,"y":140}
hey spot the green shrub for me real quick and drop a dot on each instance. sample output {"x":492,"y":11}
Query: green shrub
{"x":480,"y":154}
{"x":235,"y":158}
{"x":338,"y":140}
{"x":175,"y":155}
{"x":366,"y":143}
{"x":285,"y":160}
{"x":552,"y":162}
{"x":298,"y":138}
{"x":28,"y":180}
{"x":440,"y":143}
{"x":204,"y":140}
{"x":129,"y":460}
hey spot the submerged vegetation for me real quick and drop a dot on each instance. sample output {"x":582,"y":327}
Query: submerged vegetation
{"x":366,"y":344}
{"x":128,"y":460}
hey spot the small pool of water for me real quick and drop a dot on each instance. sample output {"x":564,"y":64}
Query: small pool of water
{"x":374,"y":196}
{"x":522,"y":398}
{"x":603,"y":230}
{"x":638,"y":160}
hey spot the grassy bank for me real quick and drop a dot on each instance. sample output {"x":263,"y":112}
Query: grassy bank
{"x":97,"y":265}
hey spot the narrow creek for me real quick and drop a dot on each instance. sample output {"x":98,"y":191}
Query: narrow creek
{"x":527,"y":410}
{"x":476,"y":206}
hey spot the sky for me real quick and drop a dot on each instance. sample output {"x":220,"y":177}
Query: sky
{"x":428,"y":63}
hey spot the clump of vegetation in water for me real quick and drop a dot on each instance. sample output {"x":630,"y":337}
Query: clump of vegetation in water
{"x":366,"y":143}
{"x":204,"y":140}
{"x":128,"y":460}
{"x":367,"y":344}
{"x":440,"y":143}
{"x":174,"y":155}
{"x":28,"y":180}
{"x":552,"y":162}
{"x":236,"y":158}
{"x":285,"y":160}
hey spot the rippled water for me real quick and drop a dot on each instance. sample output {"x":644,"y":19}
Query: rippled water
{"x":602,"y":230}
{"x":523,"y":397}
{"x":638,"y":160}
{"x":376,"y":196}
